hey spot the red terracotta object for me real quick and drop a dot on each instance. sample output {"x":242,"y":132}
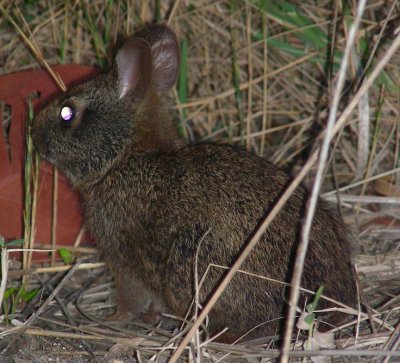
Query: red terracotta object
{"x":14,"y":91}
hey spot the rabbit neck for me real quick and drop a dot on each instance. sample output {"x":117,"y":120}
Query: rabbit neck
{"x":153,"y":129}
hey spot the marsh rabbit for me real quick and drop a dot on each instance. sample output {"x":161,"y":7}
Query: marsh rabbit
{"x":152,"y":201}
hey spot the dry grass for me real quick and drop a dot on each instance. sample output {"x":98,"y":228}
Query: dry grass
{"x":274,"y":100}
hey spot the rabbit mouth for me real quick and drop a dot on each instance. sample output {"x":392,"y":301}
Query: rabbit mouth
{"x":44,"y":152}
{"x":41,"y":145}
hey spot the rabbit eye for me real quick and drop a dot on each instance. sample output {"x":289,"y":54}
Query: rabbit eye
{"x":67,"y":113}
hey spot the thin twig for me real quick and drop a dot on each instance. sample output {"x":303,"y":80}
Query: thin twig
{"x":50,"y":269}
{"x":39,"y":312}
{"x":173,"y":11}
{"x":312,"y":204}
{"x":34,"y":316}
{"x":367,"y":180}
{"x":4,"y":273}
{"x":35,"y":50}
{"x":249,"y":246}
{"x":339,"y":124}
{"x":54,"y":216}
{"x":250,"y":77}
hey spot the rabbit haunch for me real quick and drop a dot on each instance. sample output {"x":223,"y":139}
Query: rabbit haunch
{"x":149,"y":199}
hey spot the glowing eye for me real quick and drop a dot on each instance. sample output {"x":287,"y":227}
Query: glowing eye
{"x":67,"y":113}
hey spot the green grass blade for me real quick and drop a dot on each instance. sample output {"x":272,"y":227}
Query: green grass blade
{"x":238,"y":93}
{"x":158,"y":11}
{"x":64,"y":38}
{"x":28,"y":167}
{"x":98,"y":43}
{"x":312,"y":38}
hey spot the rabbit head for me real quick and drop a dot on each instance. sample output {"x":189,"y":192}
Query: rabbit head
{"x":85,"y":129}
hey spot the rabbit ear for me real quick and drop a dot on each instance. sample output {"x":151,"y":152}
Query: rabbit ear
{"x":165,"y":53}
{"x":133,"y":62}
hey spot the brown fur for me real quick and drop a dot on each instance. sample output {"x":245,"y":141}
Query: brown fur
{"x":149,"y":199}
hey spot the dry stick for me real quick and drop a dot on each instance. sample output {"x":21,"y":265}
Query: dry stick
{"x":173,"y":11}
{"x":394,"y":336}
{"x":349,"y":309}
{"x":364,"y":126}
{"x":79,"y":237}
{"x":276,"y":128}
{"x":257,"y":235}
{"x":51,"y":269}
{"x":136,"y":343}
{"x":363,"y":301}
{"x":49,"y":286}
{"x":54,"y":216}
{"x":368,"y":83}
{"x":4,"y":272}
{"x":250,"y":76}
{"x":361,"y":182}
{"x":32,"y":231}
{"x":35,"y":50}
{"x":197,"y":289}
{"x":368,"y":167}
{"x":342,"y":119}
{"x":265,"y":86}
{"x":363,"y":143}
{"x":244,"y":85}
{"x":377,"y":42}
{"x":116,"y":24}
{"x":31,"y":320}
{"x":341,"y":307}
{"x":34,"y":316}
{"x":74,"y":249}
{"x":79,"y":37}
{"x":305,"y":235}
{"x":364,"y":199}
{"x":46,"y":333}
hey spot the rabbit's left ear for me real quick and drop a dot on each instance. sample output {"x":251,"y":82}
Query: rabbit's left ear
{"x":165,"y":54}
